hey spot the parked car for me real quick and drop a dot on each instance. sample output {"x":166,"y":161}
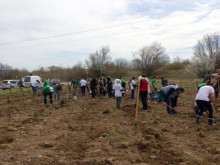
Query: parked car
{"x":54,"y":82}
{"x":29,"y":80}
{"x":7,"y":84}
{"x":214,"y":74}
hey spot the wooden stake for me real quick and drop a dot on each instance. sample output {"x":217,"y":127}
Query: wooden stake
{"x":137,"y":105}
{"x":218,"y":87}
{"x":67,"y":96}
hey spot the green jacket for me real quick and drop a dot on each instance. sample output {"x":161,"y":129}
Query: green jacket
{"x":46,"y":87}
{"x":201,"y":85}
{"x":153,"y":82}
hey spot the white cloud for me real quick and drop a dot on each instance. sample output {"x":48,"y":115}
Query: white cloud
{"x":177,"y":30}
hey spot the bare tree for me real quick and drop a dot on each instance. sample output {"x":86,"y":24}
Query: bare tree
{"x":121,"y":67}
{"x":209,"y":47}
{"x":150,"y":58}
{"x":177,"y":60}
{"x":5,"y":70}
{"x":98,"y":60}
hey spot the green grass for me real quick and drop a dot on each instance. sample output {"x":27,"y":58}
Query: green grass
{"x":114,"y":115}
{"x":14,"y":91}
{"x":109,"y":135}
{"x":124,"y":138}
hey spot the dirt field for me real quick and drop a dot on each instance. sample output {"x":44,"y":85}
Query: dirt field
{"x":93,"y":132}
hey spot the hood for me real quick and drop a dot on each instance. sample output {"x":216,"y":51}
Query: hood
{"x":46,"y":83}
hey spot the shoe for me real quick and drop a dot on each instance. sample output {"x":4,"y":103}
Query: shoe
{"x":197,"y":119}
{"x":211,"y":121}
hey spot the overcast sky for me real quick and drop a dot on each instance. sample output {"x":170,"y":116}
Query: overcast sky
{"x":124,"y":25}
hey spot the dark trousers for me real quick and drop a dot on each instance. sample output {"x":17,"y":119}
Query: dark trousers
{"x":143,"y":96}
{"x":93,"y":92}
{"x":118,"y":102}
{"x":83,"y":90}
{"x":216,"y":87}
{"x":170,"y":103}
{"x":109,"y":89}
{"x":203,"y":106}
{"x":50,"y":96}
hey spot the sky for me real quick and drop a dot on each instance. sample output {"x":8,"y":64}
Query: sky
{"x":36,"y":33}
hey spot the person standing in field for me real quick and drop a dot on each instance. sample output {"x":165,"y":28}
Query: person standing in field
{"x":144,"y":85}
{"x":34,"y":87}
{"x":102,"y":85}
{"x":47,"y":91}
{"x":83,"y":84}
{"x":21,"y":86}
{"x":153,"y":82}
{"x":109,"y":87}
{"x":204,"y":99}
{"x":170,"y":94}
{"x":118,"y":93}
{"x":123,"y":83}
{"x":93,"y":87}
{"x":217,"y":84}
{"x":40,"y":86}
{"x":208,"y":77}
{"x":132,"y":87}
{"x":164,"y":81}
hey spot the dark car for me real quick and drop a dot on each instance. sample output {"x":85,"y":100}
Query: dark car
{"x":54,"y":82}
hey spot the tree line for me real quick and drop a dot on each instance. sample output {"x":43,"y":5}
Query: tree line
{"x":151,"y":59}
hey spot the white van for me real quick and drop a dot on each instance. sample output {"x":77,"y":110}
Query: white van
{"x":29,"y":80}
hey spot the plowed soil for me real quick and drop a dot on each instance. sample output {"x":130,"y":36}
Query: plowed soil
{"x":93,"y":132}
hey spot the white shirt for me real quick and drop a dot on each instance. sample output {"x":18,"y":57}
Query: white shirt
{"x":204,"y":93}
{"x":118,"y":88}
{"x":35,"y":84}
{"x":132,"y":83}
{"x":83,"y":82}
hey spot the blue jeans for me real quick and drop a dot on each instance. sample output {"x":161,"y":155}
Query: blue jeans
{"x":132,"y":94}
{"x":56,"y":95}
{"x":34,"y":90}
{"x":168,"y":102}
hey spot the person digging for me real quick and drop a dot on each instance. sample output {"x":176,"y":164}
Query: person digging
{"x":170,"y":94}
{"x":204,"y":99}
{"x":47,"y":90}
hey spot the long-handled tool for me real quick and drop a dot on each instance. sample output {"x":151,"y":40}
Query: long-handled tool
{"x":137,"y":105}
{"x":172,"y":108}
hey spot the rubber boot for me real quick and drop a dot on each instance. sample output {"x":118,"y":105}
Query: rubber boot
{"x":197,"y":119}
{"x":211,"y":121}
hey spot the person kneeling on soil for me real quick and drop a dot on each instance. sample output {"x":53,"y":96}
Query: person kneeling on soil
{"x":204,"y":98}
{"x":155,"y":96}
{"x":170,"y":94}
{"x":47,"y":90}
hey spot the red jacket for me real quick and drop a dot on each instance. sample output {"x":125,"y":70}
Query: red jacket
{"x":143,"y":85}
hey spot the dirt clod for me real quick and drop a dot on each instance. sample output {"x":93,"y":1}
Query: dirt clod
{"x":106,"y":111}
